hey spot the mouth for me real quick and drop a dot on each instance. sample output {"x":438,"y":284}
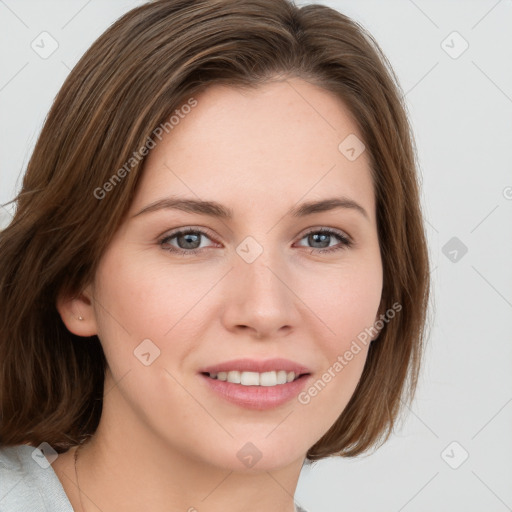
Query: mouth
{"x":265,"y":379}
{"x":254,"y":372}
{"x":256,"y":384}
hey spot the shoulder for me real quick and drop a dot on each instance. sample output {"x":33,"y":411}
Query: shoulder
{"x":28,"y":482}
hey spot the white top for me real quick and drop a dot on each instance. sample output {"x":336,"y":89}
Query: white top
{"x":29,"y":483}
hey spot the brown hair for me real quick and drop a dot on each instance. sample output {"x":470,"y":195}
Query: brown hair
{"x":128,"y":83}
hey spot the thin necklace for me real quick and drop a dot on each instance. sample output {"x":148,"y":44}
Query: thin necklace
{"x":76,"y":476}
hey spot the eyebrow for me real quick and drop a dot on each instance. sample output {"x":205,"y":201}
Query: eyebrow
{"x":214,"y":209}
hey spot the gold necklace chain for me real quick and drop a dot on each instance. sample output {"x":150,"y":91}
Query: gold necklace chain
{"x":76,"y":476}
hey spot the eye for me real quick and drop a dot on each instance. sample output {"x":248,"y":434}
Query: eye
{"x":323,"y":237}
{"x":189,"y":241}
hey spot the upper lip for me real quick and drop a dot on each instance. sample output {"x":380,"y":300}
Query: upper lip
{"x":254,"y":365}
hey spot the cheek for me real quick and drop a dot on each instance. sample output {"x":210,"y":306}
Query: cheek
{"x":125,"y":299}
{"x":142,"y":297}
{"x":138,"y":300}
{"x":353,"y":309}
{"x":347,"y":309}
{"x":345,"y":299}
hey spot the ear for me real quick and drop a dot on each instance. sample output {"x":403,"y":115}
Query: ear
{"x":77,"y":312}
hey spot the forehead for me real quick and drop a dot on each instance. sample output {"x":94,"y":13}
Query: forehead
{"x":273,"y":145}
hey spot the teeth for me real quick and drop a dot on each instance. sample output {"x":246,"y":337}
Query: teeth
{"x":234,"y":377}
{"x":268,"y":379}
{"x":250,"y":379}
{"x":282,"y":377}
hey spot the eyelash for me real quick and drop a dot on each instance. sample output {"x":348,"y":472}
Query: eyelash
{"x":345,"y":243}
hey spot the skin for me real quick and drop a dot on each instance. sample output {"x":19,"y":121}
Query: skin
{"x":165,"y":441}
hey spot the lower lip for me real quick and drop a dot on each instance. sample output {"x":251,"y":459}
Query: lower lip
{"x":257,"y":397}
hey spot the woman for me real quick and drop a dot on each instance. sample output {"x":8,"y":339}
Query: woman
{"x":217,"y":270}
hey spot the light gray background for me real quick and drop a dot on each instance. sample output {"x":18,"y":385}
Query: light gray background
{"x":461,"y":111}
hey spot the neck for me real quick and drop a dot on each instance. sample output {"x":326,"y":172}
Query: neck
{"x":123,"y":468}
{"x":125,"y":479}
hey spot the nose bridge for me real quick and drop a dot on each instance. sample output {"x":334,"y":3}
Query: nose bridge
{"x":260,"y":297}
{"x":260,"y":265}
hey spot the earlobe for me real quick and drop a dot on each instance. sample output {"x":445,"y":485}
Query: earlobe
{"x":77,"y":313}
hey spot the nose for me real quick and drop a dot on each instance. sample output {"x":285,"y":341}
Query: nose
{"x":260,"y":298}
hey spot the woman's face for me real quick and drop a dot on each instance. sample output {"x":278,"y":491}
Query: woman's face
{"x":254,"y":285}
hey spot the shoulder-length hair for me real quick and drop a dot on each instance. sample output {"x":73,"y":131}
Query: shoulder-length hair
{"x":132,"y":79}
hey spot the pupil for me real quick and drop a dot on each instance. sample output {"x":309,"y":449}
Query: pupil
{"x":187,"y":238}
{"x":324,"y":236}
